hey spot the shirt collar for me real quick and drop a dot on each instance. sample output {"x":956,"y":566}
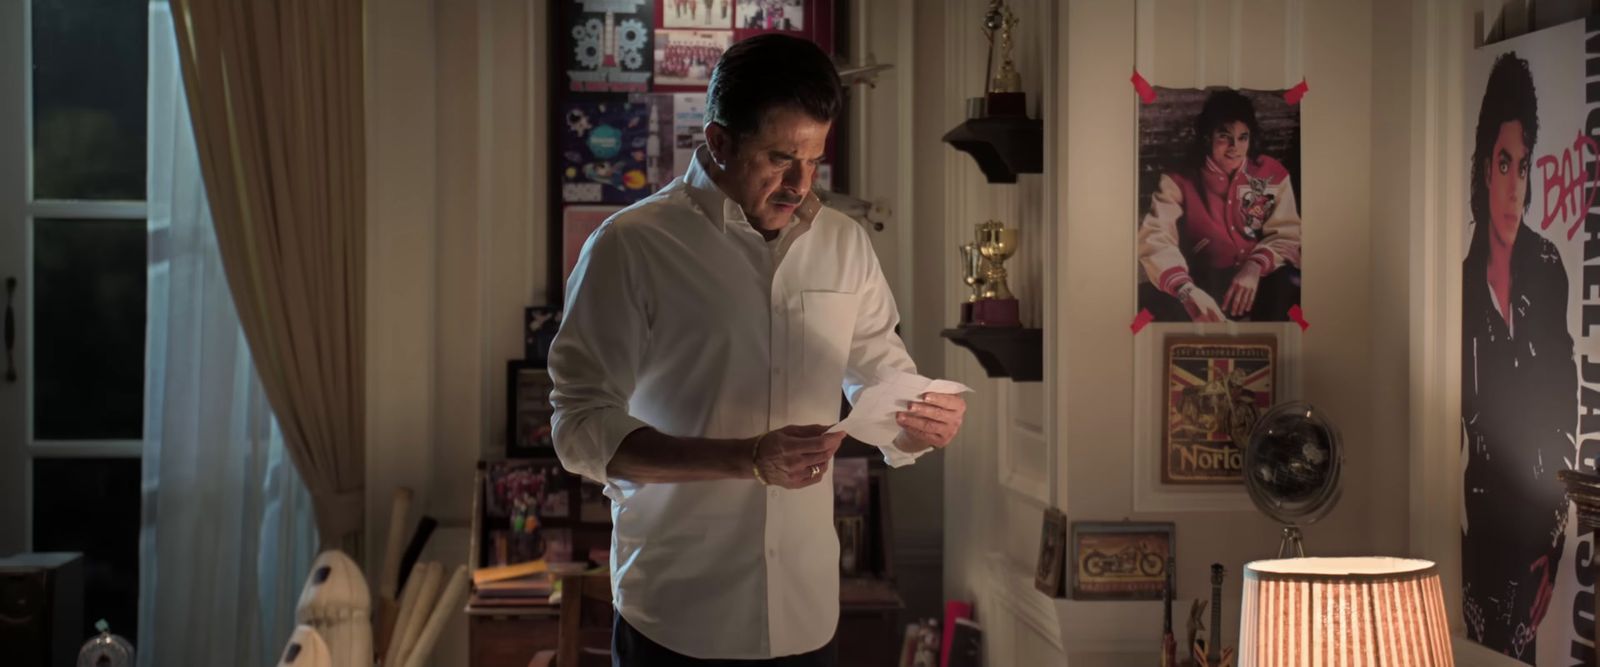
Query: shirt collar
{"x":718,"y":207}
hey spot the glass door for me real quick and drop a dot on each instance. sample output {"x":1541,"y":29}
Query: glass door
{"x":73,"y":247}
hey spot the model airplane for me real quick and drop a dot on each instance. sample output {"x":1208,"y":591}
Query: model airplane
{"x":864,"y":73}
{"x":862,"y":211}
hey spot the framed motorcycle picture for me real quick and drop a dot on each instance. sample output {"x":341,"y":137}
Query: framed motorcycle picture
{"x":1216,"y":389}
{"x":1121,"y":560}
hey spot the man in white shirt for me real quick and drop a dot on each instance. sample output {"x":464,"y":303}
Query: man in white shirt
{"x":709,"y":330}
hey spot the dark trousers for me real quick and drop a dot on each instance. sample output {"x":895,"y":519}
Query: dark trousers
{"x":630,"y":648}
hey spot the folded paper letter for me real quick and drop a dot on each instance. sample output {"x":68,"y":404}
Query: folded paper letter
{"x":872,"y":418}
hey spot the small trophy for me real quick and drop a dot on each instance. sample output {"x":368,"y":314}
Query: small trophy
{"x":997,"y":306}
{"x":972,"y":273}
{"x":1004,"y":95}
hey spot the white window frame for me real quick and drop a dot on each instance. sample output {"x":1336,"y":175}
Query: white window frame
{"x":34,"y":212}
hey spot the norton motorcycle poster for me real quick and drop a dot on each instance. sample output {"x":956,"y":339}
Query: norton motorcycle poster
{"x":1530,"y":381}
{"x":1217,"y":387}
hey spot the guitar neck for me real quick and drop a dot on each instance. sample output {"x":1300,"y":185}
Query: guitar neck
{"x":1214,"y":650}
{"x":1166,"y":601}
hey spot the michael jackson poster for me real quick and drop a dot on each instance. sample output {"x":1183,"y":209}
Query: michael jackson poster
{"x":1218,"y":218}
{"x":1530,"y":380}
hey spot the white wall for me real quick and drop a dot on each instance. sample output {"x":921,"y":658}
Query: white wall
{"x":999,"y":474}
{"x":457,"y":248}
{"x":882,"y":146}
{"x":1353,"y":362}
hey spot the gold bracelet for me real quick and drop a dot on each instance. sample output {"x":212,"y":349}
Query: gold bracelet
{"x":755,"y":467}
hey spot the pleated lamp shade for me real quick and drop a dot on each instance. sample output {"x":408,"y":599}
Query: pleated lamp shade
{"x":1343,"y":612}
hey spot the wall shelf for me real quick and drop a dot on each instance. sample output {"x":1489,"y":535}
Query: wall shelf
{"x":1010,"y":352}
{"x":1003,"y":146}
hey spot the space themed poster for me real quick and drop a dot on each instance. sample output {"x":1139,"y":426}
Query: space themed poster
{"x":604,"y":150}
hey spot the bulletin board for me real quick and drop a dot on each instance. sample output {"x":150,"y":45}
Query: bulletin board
{"x":628,"y":81}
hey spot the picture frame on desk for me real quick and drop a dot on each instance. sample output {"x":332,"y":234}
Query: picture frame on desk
{"x":528,"y":410}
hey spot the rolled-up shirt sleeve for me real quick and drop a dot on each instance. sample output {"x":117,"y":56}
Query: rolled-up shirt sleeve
{"x":595,"y":356}
{"x":875,"y":349}
{"x":1159,"y":252}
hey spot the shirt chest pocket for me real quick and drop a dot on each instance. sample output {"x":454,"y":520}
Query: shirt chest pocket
{"x":828,"y":322}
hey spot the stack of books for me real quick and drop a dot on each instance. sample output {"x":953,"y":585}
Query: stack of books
{"x":521,"y":585}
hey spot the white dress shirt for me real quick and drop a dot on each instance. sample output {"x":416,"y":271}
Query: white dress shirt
{"x":682,"y":317}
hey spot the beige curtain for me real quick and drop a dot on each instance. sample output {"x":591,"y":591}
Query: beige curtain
{"x":275,"y":91}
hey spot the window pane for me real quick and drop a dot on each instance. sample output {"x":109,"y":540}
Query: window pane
{"x":88,"y":329}
{"x":89,"y":98}
{"x":91,"y":506}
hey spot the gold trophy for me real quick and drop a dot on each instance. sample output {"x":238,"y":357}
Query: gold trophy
{"x":998,"y":306}
{"x":972,"y":273}
{"x":1004,"y":94}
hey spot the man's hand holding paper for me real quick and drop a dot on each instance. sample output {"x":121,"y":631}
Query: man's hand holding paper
{"x":908,"y":411}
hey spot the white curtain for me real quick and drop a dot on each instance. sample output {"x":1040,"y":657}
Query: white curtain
{"x":228,"y":534}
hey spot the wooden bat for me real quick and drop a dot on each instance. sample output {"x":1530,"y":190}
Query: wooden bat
{"x":388,"y":580}
{"x":395,"y":540}
{"x":449,"y":602}
{"x":408,"y":606}
{"x":419,"y":540}
{"x":428,"y":579}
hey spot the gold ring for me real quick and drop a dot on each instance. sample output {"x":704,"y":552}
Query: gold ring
{"x":815,"y":469}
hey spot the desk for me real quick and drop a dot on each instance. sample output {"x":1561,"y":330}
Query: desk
{"x":868,"y":633}
{"x":509,"y":636}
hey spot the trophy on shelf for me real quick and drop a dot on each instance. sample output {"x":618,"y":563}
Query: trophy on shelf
{"x":1003,"y":94}
{"x":972,"y":273}
{"x":992,"y":304}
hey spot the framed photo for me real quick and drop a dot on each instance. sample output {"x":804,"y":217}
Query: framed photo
{"x":696,"y":14}
{"x":528,"y":410}
{"x":1121,"y":561}
{"x":686,"y":57}
{"x":772,"y":15}
{"x":1052,"y":553}
{"x":1216,"y":389}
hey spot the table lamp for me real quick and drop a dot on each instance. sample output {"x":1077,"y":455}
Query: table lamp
{"x":1360,"y":612}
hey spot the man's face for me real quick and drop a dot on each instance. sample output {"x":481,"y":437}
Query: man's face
{"x":1507,"y":176}
{"x":1229,"y":144}
{"x":769,"y":173}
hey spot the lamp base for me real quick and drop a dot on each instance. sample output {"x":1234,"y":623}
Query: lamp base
{"x":1291,"y":546}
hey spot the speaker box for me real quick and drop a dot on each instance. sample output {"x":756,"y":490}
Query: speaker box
{"x":41,"y":609}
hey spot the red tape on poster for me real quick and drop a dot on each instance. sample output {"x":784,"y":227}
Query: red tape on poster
{"x":1146,"y":93}
{"x":1294,"y":94}
{"x":1299,"y":317}
{"x":1144,"y":317}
